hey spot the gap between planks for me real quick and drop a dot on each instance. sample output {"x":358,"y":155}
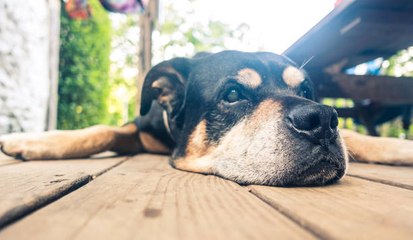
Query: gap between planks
{"x":395,"y":176}
{"x":31,"y":185}
{"x":398,"y":176}
{"x":352,"y":209}
{"x":6,"y":160}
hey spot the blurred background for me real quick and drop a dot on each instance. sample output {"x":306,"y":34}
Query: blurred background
{"x":73,"y":64}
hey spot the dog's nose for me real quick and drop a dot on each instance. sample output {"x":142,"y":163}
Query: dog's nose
{"x":316,"y":122}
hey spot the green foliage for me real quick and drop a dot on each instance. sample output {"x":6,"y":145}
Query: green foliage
{"x":401,"y":64}
{"x":122,"y":98}
{"x":123,"y":74}
{"x":347,"y":123}
{"x":84,"y":69}
{"x":182,"y":33}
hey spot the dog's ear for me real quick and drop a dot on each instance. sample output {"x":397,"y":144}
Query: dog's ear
{"x":165,"y":83}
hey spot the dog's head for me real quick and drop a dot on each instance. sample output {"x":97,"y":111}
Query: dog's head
{"x":247,"y":117}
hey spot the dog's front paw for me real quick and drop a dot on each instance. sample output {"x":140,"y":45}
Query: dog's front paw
{"x":19,"y":145}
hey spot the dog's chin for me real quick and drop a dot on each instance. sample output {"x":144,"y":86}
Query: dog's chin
{"x":321,"y":167}
{"x":321,"y":173}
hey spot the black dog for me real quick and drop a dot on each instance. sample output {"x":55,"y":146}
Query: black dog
{"x":247,"y":117}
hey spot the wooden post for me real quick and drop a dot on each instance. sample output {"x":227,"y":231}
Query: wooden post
{"x":54,"y":45}
{"x":146,"y":23}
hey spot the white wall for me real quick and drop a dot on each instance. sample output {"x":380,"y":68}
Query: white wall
{"x":25,"y":65}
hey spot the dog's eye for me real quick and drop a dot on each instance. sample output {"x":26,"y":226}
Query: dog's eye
{"x":232,"y":96}
{"x":306,"y":93}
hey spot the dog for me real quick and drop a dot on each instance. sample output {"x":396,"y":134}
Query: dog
{"x":246,"y":117}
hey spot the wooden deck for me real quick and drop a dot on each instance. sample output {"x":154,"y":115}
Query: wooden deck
{"x":142,"y":197}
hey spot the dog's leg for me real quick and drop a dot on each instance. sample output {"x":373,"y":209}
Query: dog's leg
{"x":378,"y":149}
{"x":72,"y":143}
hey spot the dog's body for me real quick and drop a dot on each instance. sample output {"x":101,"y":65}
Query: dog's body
{"x":247,"y":117}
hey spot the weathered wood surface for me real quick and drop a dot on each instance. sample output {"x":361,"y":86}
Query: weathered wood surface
{"x":27,"y":186}
{"x":393,"y":175}
{"x":144,"y":198}
{"x":356,"y":32}
{"x":6,"y":160}
{"x":384,"y":89}
{"x":353,"y":209}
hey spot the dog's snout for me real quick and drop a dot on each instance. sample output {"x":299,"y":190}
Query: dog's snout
{"x":316,"y":122}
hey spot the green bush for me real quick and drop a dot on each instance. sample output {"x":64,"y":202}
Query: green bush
{"x":84,"y":69}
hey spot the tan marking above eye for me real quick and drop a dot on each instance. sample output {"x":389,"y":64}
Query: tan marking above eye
{"x":249,"y":77}
{"x":293,"y":76}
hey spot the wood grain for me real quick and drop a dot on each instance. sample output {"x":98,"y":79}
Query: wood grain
{"x":392,"y":175}
{"x":6,"y":160}
{"x":353,"y":209}
{"x":27,"y":186}
{"x":54,"y":8}
{"x":383,"y":89}
{"x":144,"y":198}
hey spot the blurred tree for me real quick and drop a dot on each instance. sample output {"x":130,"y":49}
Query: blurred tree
{"x":84,"y":69}
{"x":181,"y":32}
{"x":123,"y":69}
{"x":401,"y":64}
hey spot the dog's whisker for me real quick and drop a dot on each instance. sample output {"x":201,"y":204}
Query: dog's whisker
{"x":350,"y":154}
{"x":306,"y":62}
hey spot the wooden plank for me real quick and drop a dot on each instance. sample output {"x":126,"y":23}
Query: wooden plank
{"x":384,"y":89}
{"x":6,"y":160}
{"x":145,"y":198}
{"x":27,"y":186}
{"x":320,"y":37}
{"x":371,"y":32}
{"x":357,"y":27}
{"x":392,"y":175}
{"x":353,"y":209}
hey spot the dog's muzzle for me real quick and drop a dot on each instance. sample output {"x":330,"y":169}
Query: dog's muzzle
{"x":318,"y":124}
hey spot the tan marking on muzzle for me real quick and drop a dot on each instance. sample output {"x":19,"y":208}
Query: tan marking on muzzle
{"x":266,"y":110}
{"x":293,"y":76}
{"x":249,"y":77}
{"x":196,"y":151}
{"x":197,"y":145}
